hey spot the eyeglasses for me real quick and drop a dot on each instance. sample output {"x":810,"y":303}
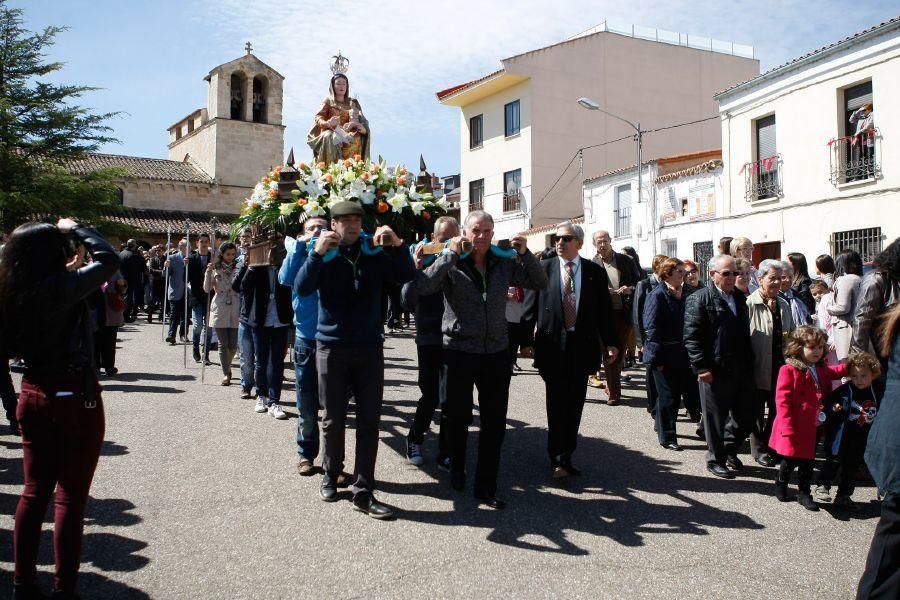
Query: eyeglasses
{"x":682,"y":271}
{"x":728,"y":273}
{"x":689,"y":271}
{"x":565,"y":238}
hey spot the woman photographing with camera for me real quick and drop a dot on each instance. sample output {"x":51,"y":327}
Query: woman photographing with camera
{"x":45,"y":320}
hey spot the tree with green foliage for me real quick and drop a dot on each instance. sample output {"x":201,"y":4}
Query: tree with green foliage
{"x":42,"y":130}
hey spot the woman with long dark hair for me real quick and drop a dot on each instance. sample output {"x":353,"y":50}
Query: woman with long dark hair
{"x":847,"y":282}
{"x":45,"y":320}
{"x":801,"y":281}
{"x":225,"y":309}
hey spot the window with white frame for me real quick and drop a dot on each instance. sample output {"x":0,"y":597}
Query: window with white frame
{"x":476,"y":195}
{"x":476,"y":132}
{"x":670,"y":247}
{"x":511,"y":119}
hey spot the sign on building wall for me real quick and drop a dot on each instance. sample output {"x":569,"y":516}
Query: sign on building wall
{"x":702,"y":201}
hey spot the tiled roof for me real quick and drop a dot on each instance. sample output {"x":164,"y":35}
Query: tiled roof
{"x":810,"y":55}
{"x":159,"y":221}
{"x":458,"y":88}
{"x":552,"y":226}
{"x":141,"y":168}
{"x":706,"y":167}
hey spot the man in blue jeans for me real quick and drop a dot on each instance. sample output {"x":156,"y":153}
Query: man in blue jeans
{"x":196,"y":265}
{"x":306,"y":316}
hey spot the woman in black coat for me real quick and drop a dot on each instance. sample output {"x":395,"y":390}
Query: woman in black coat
{"x":664,"y":350}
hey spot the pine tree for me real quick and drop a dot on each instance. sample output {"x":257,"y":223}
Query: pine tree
{"x":42,"y":129}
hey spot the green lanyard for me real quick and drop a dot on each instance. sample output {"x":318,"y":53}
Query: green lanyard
{"x":355,"y":270}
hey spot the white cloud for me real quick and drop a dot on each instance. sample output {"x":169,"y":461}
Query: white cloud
{"x":402,"y":52}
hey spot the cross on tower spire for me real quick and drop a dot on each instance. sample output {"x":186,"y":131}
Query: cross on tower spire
{"x":248,"y":46}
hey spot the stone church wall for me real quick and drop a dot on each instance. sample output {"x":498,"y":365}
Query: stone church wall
{"x":246,"y":151}
{"x":201,"y":145}
{"x":193,"y":197}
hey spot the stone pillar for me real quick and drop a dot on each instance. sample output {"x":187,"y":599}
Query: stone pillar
{"x":248,"y":99}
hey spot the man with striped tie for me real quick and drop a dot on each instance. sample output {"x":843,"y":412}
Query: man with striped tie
{"x":574,"y":317}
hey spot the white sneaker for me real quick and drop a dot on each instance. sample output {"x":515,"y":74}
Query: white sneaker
{"x":261,"y":402}
{"x":276,"y":412}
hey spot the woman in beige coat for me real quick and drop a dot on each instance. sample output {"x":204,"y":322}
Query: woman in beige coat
{"x":770,"y":321}
{"x":225,"y":307}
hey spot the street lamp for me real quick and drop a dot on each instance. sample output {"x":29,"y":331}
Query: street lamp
{"x":638,"y":135}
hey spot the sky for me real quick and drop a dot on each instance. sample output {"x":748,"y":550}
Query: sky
{"x":149,"y":57}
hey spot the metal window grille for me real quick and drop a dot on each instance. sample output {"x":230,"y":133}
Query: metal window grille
{"x":763,"y":179}
{"x":670,"y":247}
{"x":511,"y":202}
{"x":855,"y":157}
{"x":622,"y":211}
{"x":703,"y":252}
{"x":865,"y":241}
{"x":512,"y":196}
{"x":476,"y":194}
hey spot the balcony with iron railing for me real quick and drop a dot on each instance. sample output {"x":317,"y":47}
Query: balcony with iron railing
{"x":512,"y":202}
{"x":855,"y":157}
{"x":762,"y":179}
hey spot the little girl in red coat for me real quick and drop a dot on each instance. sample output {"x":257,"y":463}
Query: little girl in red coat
{"x":802,"y":384}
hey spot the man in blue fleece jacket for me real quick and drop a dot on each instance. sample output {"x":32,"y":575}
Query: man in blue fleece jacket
{"x":350,"y":341}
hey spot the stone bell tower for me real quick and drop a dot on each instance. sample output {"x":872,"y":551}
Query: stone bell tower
{"x":239,"y":135}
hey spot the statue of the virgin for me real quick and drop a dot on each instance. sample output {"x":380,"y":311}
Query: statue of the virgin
{"x":340,"y":130}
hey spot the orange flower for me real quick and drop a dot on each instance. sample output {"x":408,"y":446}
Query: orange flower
{"x":265,"y":180}
{"x":303,"y":166}
{"x":273,"y":193}
{"x":329,"y":178}
{"x":301,"y":202}
{"x":277,"y":170}
{"x":401,"y":181}
{"x":402,"y":170}
{"x":383,"y":206}
{"x":376,"y":167}
{"x":357,"y":157}
{"x":321,"y":164}
{"x":365,"y":176}
{"x":347,"y":163}
{"x":426,"y":215}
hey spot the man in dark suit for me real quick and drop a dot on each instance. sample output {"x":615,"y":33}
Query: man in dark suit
{"x":574,"y":315}
{"x":197,"y":263}
{"x":134,"y":271}
{"x":717,"y":339}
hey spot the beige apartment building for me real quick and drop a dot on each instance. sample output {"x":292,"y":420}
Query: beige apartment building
{"x":526,"y":145}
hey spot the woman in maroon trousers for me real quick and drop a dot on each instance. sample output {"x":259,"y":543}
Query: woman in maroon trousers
{"x":45,"y":320}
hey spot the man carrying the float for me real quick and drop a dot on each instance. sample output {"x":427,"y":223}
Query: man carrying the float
{"x":348,"y":272}
{"x":475,"y":341}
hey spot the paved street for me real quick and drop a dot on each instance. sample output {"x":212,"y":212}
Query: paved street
{"x":196,"y":496}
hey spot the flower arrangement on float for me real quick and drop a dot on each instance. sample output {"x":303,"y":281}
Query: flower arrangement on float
{"x":388,"y":195}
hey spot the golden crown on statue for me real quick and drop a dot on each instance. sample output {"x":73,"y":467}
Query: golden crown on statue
{"x":340,"y":65}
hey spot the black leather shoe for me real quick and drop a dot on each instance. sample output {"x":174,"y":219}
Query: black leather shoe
{"x":765,"y":460}
{"x":672,"y":446}
{"x":366,"y":502}
{"x":719,"y":470}
{"x":196,"y":355}
{"x":171,"y":340}
{"x":700,"y":433}
{"x":781,"y":491}
{"x":807,"y":502}
{"x":491,"y":500}
{"x":27,"y":591}
{"x":572,"y":470}
{"x":457,"y":479}
{"x":328,"y":491}
{"x":734,"y":463}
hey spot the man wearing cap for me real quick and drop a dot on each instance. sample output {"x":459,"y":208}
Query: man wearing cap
{"x":350,"y":340}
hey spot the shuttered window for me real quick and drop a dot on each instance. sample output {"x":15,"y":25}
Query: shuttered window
{"x":858,"y":95}
{"x":765,"y":137}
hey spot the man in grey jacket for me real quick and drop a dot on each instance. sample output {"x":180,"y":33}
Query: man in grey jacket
{"x":175,"y":266}
{"x":475,"y":342}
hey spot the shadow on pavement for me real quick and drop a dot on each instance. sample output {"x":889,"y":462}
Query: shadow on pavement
{"x":146,"y":389}
{"x":106,"y":551}
{"x":609,"y":499}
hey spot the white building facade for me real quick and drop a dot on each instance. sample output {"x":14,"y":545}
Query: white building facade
{"x":798,"y":176}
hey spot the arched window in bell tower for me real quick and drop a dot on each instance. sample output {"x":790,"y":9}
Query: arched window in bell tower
{"x":237,"y":96}
{"x":260,"y":91}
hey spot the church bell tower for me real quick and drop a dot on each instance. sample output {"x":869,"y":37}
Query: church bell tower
{"x":239,"y":135}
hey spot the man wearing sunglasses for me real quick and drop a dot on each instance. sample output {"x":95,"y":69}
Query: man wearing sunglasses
{"x":717,"y":338}
{"x":574,"y":315}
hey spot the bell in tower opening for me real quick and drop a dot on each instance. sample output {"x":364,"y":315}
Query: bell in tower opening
{"x":237,"y":97}
{"x":260,"y":86}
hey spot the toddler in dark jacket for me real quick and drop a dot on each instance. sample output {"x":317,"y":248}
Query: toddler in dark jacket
{"x":852,"y":409}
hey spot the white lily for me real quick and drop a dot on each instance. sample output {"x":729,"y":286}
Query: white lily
{"x":413,"y":194}
{"x":443,"y":203}
{"x":417,"y":207}
{"x":314,"y":209}
{"x":368,"y":195}
{"x":313,"y":189}
{"x":356,"y":188}
{"x":398,"y":203}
